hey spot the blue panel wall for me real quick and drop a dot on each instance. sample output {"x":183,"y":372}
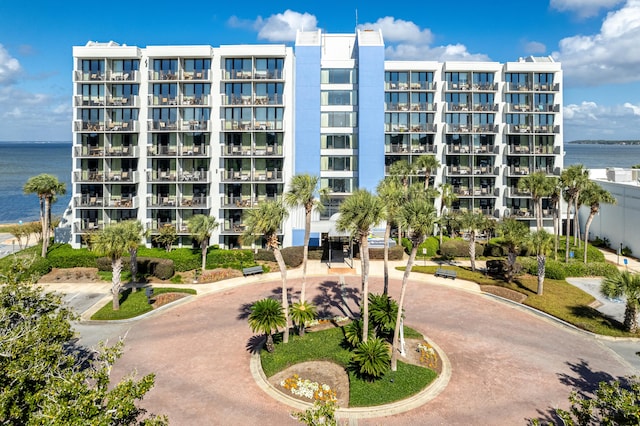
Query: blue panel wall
{"x":371,"y":116}
{"x":307,"y":110}
{"x":298,"y":238}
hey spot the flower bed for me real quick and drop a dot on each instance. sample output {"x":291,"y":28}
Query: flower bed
{"x":308,"y":389}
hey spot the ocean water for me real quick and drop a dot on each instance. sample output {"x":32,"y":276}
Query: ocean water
{"x":21,"y":160}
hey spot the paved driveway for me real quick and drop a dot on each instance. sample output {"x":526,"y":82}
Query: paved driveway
{"x":507,"y":364}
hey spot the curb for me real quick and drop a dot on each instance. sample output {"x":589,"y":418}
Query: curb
{"x":427,"y":394}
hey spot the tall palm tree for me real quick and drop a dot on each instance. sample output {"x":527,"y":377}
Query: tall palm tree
{"x":593,"y":195}
{"x":392,"y":196}
{"x":447,"y":197}
{"x":418,"y":216}
{"x":46,"y":187}
{"x":427,"y":163}
{"x":539,"y":186}
{"x":134,"y":231}
{"x":265,"y":317}
{"x":302,"y":192}
{"x":358,"y":213}
{"x":266,"y":220}
{"x":402,"y":171}
{"x":514,"y":234}
{"x":473,"y":223}
{"x":540,"y":242}
{"x":555,"y":195}
{"x":201,"y":227}
{"x":626,"y":284}
{"x":573,"y":179}
{"x":112,"y":242}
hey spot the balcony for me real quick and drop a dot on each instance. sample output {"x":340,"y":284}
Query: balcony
{"x":519,"y":149}
{"x":89,"y":126}
{"x":88,"y":176}
{"x":256,"y":176}
{"x":194,"y":151}
{"x":162,"y":100}
{"x":458,"y":170}
{"x":244,"y":151}
{"x":194,"y":100}
{"x":123,"y":101}
{"x":519,"y":87}
{"x":252,"y":125}
{"x":163,"y":75}
{"x":231,"y":227}
{"x":515,"y":191}
{"x":484,"y":87}
{"x":122,"y":202}
{"x":88,"y":101}
{"x":191,"y":125}
{"x":247,"y":74}
{"x":162,"y":126}
{"x":162,"y":176}
{"x":122,"y":151}
{"x":156,"y":224}
{"x":82,"y":226}
{"x":126,"y":176}
{"x":128,"y":76}
{"x":239,"y":201}
{"x":458,"y":106}
{"x":90,"y":76}
{"x":546,"y":87}
{"x":518,"y":170}
{"x":162,"y":151}
{"x":275,"y":99}
{"x":457,"y":149}
{"x":485,"y":107}
{"x":88,"y":151}
{"x":195,"y":176}
{"x":88,"y":200}
{"x":162,"y":201}
{"x":194,"y":201}
{"x":200,"y":75}
{"x":414,"y":128}
{"x":457,"y":86}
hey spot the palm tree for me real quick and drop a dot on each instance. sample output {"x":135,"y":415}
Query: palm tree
{"x":539,"y":186}
{"x":112,"y":242}
{"x":540,"y":243}
{"x":402,"y":171}
{"x":573,"y":179}
{"x":514,"y":233}
{"x":302,"y":192}
{"x":428,"y":164}
{"x":474,"y":223}
{"x":201,"y":227}
{"x":418,"y":216}
{"x":358,"y":213}
{"x":134,"y":232}
{"x":626,"y":284}
{"x":392,"y":196}
{"x":46,"y":187}
{"x":371,"y":358}
{"x":301,"y":313}
{"x":266,"y":220}
{"x":447,"y":197}
{"x":593,"y":195}
{"x":265,"y":317}
{"x":554,"y":198}
{"x":383,"y":311}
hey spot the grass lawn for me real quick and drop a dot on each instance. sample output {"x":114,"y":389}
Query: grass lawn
{"x":329,"y":345}
{"x":134,"y":304}
{"x":560,"y":299}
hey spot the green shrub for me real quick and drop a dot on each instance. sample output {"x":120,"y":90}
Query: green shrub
{"x":64,"y":256}
{"x":554,"y":269}
{"x":235,"y":259}
{"x":459,"y":248}
{"x":432,"y":244}
{"x":292,"y":256}
{"x":626,"y":251}
{"x":184,"y":259}
{"x":407,"y":244}
{"x":395,"y":253}
{"x":371,"y":359}
{"x":162,"y":268}
{"x":264,"y":255}
{"x":495,"y":248}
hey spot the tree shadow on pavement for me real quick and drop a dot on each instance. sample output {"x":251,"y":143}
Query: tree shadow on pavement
{"x":255,"y":343}
{"x":583,"y":380}
{"x":333,"y":296}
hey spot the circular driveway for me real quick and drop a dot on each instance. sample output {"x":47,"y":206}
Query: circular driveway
{"x":508,"y":365}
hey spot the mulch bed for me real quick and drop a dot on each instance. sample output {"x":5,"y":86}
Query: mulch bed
{"x":504,"y":292}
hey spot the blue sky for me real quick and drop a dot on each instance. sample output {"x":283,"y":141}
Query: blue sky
{"x":597,"y":42}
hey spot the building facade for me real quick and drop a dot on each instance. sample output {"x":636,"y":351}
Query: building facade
{"x":166,"y":132}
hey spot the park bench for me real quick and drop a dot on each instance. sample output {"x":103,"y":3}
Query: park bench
{"x":446,"y":273}
{"x":252,"y":270}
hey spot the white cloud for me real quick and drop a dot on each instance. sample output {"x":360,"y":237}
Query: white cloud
{"x":405,"y":40}
{"x":399,"y":30}
{"x":583,"y":8}
{"x":589,"y":120}
{"x":611,"y":56}
{"x":535,"y":47}
{"x":281,"y":27}
{"x":9,"y":66}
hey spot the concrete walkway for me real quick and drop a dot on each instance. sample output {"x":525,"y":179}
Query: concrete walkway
{"x":508,"y":364}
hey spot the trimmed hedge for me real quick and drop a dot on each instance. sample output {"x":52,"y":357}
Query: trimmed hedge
{"x":160,"y":268}
{"x":395,"y":253}
{"x":235,"y":259}
{"x":63,"y":256}
{"x":292,"y":256}
{"x":432,"y":244}
{"x":558,"y":270}
{"x":459,"y":248}
{"x":184,"y":259}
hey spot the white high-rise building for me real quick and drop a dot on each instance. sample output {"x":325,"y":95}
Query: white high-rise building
{"x":165,"y":132}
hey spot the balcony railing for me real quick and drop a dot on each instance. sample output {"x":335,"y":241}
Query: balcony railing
{"x":156,"y":224}
{"x":88,"y":176}
{"x":194,"y":100}
{"x":194,"y":75}
{"x":127,"y":176}
{"x":123,"y":101}
{"x":162,"y":201}
{"x":122,"y":202}
{"x":162,"y":176}
{"x":515,"y":191}
{"x":81,"y":226}
{"x":162,"y":151}
{"x":96,"y":76}
{"x":414,"y":128}
{"x":243,"y":151}
{"x":485,"y":107}
{"x":194,"y":151}
{"x":88,"y":200}
{"x":275,"y":99}
{"x":231,"y":201}
{"x":519,"y":87}
{"x":88,"y":151}
{"x":247,"y":74}
{"x":458,"y":149}
{"x":252,"y":125}
{"x":157,"y":125}
{"x":257,"y":176}
{"x":195,"y":176}
{"x":122,"y":151}
{"x":452,"y":106}
{"x":194,"y":201}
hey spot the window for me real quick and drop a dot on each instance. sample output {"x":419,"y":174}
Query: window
{"x":269,"y":68}
{"x":121,"y":66}
{"x":341,"y":185}
{"x":238,"y":67}
{"x":337,"y":164}
{"x":338,"y":76}
{"x":338,"y":97}
{"x":197,"y":64}
{"x":124,"y":90}
{"x":92,"y":66}
{"x":421,"y":80}
{"x":338,"y":142}
{"x":338,"y":119}
{"x":482,"y":78}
